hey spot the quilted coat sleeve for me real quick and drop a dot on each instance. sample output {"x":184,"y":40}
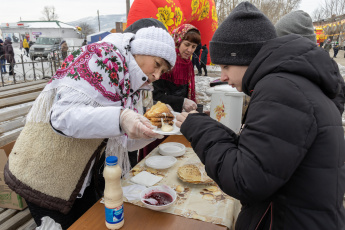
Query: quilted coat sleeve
{"x":279,"y":129}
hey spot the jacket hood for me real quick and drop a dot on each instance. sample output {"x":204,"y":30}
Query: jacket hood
{"x":295,"y":55}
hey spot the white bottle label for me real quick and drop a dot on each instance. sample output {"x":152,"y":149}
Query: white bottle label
{"x":114,"y":215}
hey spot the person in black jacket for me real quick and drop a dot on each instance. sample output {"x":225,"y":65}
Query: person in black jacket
{"x":9,"y":54}
{"x":2,"y":57}
{"x":203,"y":60}
{"x":286,"y":165}
{"x":195,"y":58}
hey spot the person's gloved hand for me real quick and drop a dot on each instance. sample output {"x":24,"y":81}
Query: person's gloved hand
{"x":137,"y":126}
{"x":189,"y":105}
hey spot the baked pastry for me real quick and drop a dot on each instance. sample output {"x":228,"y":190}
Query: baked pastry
{"x":158,"y":112}
{"x":191,"y":173}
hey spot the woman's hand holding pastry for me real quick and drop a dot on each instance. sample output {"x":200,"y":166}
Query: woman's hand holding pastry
{"x":137,"y":126}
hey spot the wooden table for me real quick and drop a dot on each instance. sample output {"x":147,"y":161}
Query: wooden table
{"x":142,"y":218}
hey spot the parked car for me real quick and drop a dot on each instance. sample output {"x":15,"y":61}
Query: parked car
{"x":43,"y":47}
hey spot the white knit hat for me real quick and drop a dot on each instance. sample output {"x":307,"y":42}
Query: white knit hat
{"x":154,"y":41}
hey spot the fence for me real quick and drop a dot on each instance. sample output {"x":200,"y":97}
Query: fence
{"x":32,"y":70}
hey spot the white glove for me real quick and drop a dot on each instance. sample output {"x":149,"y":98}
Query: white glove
{"x":137,"y":126}
{"x":189,"y":105}
{"x":133,"y":145}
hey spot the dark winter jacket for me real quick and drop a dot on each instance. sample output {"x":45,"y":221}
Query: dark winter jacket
{"x":2,"y":52}
{"x":9,"y":54}
{"x":204,"y":55}
{"x":289,"y":157}
{"x":169,"y":93}
{"x":197,"y":51}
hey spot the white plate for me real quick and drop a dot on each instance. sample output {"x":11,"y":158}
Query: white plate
{"x":175,"y":131}
{"x":160,"y":162}
{"x":174,"y":149}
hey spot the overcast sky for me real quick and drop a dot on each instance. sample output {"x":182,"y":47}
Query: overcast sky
{"x":71,"y":10}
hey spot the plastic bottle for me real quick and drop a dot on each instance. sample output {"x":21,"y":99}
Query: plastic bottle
{"x":113,"y":195}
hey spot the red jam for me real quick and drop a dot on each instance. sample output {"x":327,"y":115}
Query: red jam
{"x":162,"y":198}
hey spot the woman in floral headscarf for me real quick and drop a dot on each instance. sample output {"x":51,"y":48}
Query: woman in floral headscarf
{"x":177,"y":87}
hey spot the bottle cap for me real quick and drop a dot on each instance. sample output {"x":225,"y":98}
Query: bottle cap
{"x":111,"y":160}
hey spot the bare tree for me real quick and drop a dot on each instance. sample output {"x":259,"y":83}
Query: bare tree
{"x":273,"y":9}
{"x":86,"y":29}
{"x":329,"y":9}
{"x":49,"y":13}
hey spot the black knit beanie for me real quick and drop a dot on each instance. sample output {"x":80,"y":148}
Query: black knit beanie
{"x":241,"y":35}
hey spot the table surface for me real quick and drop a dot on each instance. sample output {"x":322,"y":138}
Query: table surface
{"x":142,"y":218}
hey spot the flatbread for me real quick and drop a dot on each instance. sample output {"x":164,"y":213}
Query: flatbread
{"x":190,"y":173}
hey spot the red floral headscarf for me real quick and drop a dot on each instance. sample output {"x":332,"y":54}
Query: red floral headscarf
{"x":183,"y":71}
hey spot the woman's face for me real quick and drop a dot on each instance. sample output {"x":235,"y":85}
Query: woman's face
{"x":152,"y":66}
{"x":187,"y":48}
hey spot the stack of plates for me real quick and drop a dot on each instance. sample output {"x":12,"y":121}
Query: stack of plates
{"x":172,"y":149}
{"x":160,"y":162}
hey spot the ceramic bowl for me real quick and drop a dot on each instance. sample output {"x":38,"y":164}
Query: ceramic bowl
{"x":172,"y":149}
{"x":161,"y":188}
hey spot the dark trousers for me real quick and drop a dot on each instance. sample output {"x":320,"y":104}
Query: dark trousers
{"x":195,"y":61}
{"x":335,"y":53}
{"x":203,"y":65}
{"x":11,"y":71}
{"x":27,"y":51}
{"x":3,"y":66}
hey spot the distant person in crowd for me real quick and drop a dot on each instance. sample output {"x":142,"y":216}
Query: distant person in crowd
{"x":2,"y":57}
{"x":9,"y":54}
{"x":84,"y":43}
{"x":64,"y":49}
{"x":26,"y":47}
{"x":328,"y":45}
{"x":300,"y":22}
{"x":344,"y":46}
{"x":203,"y":60}
{"x":20,"y":45}
{"x":196,"y":57}
{"x":286,"y":165}
{"x":91,"y":103}
{"x":335,"y":49}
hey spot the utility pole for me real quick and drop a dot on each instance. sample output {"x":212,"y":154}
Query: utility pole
{"x":128,"y":5}
{"x":99,"y":25}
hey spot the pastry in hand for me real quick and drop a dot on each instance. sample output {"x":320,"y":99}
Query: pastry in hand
{"x":160,"y":112}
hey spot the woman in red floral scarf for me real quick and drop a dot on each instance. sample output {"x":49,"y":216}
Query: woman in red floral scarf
{"x":177,"y":87}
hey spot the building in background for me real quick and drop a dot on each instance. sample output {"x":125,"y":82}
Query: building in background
{"x":31,"y":30}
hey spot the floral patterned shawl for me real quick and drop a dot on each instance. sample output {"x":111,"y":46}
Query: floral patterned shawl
{"x":97,"y":75}
{"x":183,"y":71}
